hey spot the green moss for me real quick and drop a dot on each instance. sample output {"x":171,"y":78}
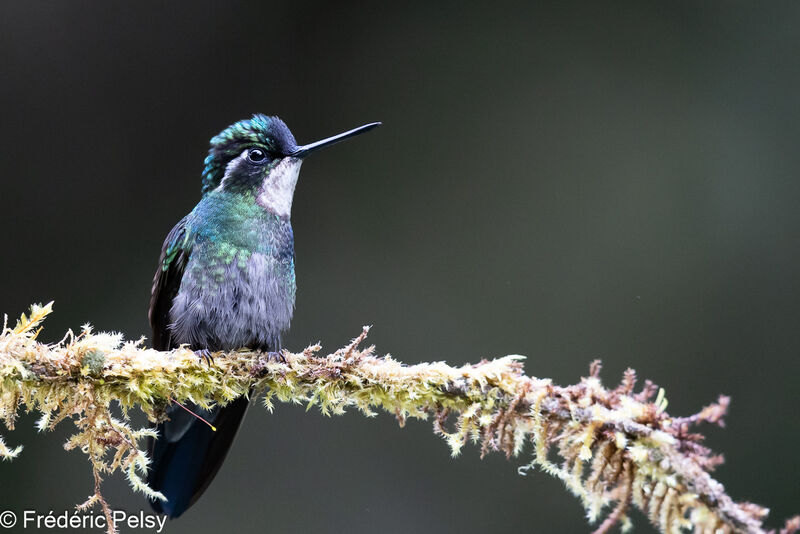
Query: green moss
{"x":93,"y":362}
{"x":613,"y":445}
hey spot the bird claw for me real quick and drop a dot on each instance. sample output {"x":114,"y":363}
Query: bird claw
{"x":276,"y":357}
{"x":205,"y":356}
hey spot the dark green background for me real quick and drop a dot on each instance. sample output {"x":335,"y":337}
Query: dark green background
{"x":564,"y":181}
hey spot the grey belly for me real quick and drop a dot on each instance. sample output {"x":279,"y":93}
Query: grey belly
{"x":233,"y":305}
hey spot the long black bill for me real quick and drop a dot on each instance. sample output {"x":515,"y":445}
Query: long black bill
{"x":305,"y":150}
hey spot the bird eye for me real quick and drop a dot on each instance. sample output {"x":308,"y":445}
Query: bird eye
{"x":256,"y":155}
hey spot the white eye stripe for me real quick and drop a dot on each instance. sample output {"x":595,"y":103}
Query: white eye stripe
{"x":229,"y":168}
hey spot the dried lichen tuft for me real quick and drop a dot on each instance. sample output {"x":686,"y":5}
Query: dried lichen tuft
{"x":612,"y":448}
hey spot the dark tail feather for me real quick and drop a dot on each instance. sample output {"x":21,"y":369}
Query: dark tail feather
{"x":187,"y":453}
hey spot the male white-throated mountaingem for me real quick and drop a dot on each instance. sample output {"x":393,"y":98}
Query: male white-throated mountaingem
{"x":226,"y":280}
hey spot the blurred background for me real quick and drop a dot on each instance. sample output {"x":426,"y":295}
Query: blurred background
{"x":565,"y":181}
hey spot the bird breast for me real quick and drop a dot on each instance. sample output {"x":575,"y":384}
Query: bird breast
{"x":233,"y":299}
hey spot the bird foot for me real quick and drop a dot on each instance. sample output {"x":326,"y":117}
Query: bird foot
{"x":205,"y":356}
{"x":276,"y":357}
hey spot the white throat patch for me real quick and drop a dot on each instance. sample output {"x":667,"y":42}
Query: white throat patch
{"x":277,"y":189}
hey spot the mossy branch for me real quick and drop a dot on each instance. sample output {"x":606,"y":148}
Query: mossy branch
{"x":612,"y":448}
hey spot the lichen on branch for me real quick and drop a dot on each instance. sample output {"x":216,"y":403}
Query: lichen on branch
{"x":612,"y":447}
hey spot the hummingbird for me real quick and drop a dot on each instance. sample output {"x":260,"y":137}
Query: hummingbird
{"x":226,"y":280}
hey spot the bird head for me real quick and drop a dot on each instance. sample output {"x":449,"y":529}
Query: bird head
{"x":260,"y":155}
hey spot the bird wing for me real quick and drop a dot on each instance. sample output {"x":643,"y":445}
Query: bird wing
{"x":187,"y":455}
{"x":174,"y":256}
